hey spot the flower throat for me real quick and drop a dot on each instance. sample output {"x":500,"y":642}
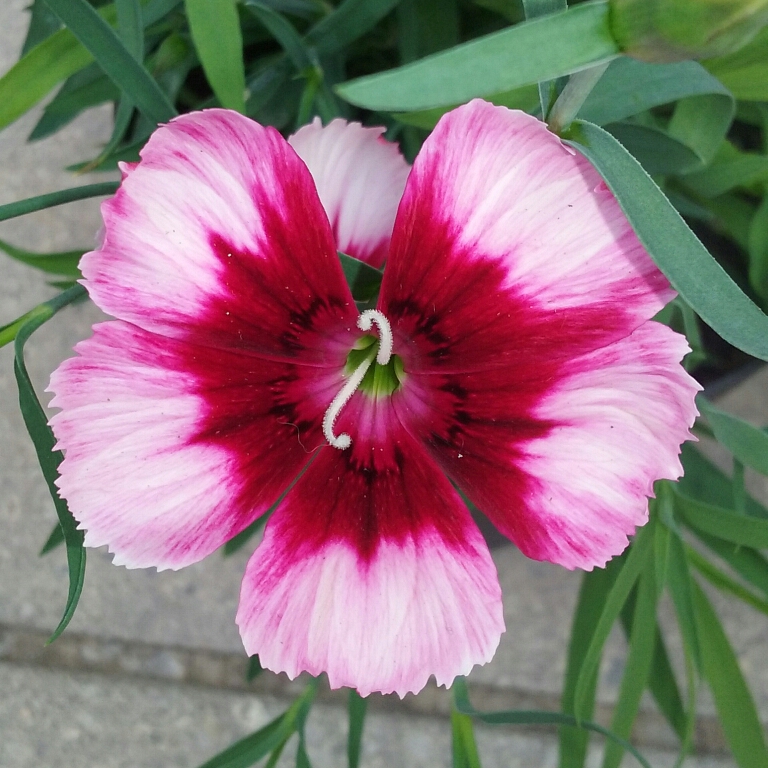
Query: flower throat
{"x":379,"y":380}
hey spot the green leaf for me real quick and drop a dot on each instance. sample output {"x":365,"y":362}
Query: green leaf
{"x":55,"y":538}
{"x":63,"y":263}
{"x":745,"y":72}
{"x":757,"y":247}
{"x":703,"y":480}
{"x":525,"y":98}
{"x":42,"y":24}
{"x":357,"y":708}
{"x":250,"y":749}
{"x":747,"y":443}
{"x":699,"y":279}
{"x":720,"y":177}
{"x":254,"y":668}
{"x":349,"y":20}
{"x":549,"y":90}
{"x":114,"y":58}
{"x":641,"y":547}
{"x":31,"y":204}
{"x":364,"y":281}
{"x":657,"y":151}
{"x":595,"y":587}
{"x":663,"y":686}
{"x":629,"y":87}
{"x":215,"y":28}
{"x":747,"y":562}
{"x":701,"y":123}
{"x":681,"y":591}
{"x":130,"y":28}
{"x":502,"y":61}
{"x":426,"y":26}
{"x":734,"y":703}
{"x":721,"y":522}
{"x":533,"y":717}
{"x":283,"y":31}
{"x":724,"y":582}
{"x":44,"y":441}
{"x":642,"y":643}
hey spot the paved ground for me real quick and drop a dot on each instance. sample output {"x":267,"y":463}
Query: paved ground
{"x":151,"y":672}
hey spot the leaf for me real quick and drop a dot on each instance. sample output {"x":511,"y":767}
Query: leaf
{"x":254,"y":668}
{"x":130,"y":27}
{"x":724,"y":582}
{"x":252,"y":748}
{"x":655,"y":149}
{"x":642,"y":643}
{"x":745,"y":72}
{"x":699,"y":279}
{"x":757,"y":247}
{"x":747,"y":562}
{"x":55,"y":538}
{"x":747,"y":443}
{"x":114,"y":58}
{"x":44,"y":441}
{"x":734,"y":703}
{"x":31,"y":204}
{"x":357,"y":708}
{"x":721,"y":522}
{"x":630,"y":87}
{"x":283,"y":31}
{"x":42,"y":24}
{"x":633,"y":565}
{"x":703,"y":480}
{"x":364,"y":281}
{"x":533,"y":717}
{"x":720,"y":177}
{"x":595,"y":586}
{"x":215,"y":28}
{"x":701,"y":123}
{"x":549,"y":90}
{"x":348,"y":21}
{"x":63,"y":263}
{"x":681,"y":591}
{"x":520,"y":55}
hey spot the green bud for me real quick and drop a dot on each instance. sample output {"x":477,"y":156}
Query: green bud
{"x":673,"y":30}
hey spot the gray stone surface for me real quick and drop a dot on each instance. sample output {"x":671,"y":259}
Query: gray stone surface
{"x":136,"y":710}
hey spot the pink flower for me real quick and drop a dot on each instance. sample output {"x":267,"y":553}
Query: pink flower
{"x":515,"y":358}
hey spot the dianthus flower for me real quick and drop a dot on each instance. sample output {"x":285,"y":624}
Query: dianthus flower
{"x":511,"y":355}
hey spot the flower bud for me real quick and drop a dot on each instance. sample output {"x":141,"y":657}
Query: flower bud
{"x":673,"y":30}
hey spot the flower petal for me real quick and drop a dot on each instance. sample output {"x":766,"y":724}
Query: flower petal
{"x":495,"y":202}
{"x":218,"y":236}
{"x":360,"y":178}
{"x":372,"y":570}
{"x":567,"y":475}
{"x":172,"y":448}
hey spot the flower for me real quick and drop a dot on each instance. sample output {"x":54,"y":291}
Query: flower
{"x":511,"y":353}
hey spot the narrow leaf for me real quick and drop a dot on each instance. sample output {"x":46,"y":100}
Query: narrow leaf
{"x":215,"y":28}
{"x":747,"y":562}
{"x":44,"y":441}
{"x":721,"y":522}
{"x":642,"y":643}
{"x":114,"y":58}
{"x":747,"y":443}
{"x":283,"y":31}
{"x":595,"y":587}
{"x":699,"y":279}
{"x":31,"y":204}
{"x":681,"y":590}
{"x":520,"y":55}
{"x":641,"y":547}
{"x":734,"y":703}
{"x":63,"y":263}
{"x":364,"y":281}
{"x":534,"y":717}
{"x":55,"y":538}
{"x":464,"y":747}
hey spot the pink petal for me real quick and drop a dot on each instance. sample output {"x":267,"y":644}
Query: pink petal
{"x":371,"y":570}
{"x":360,"y":178}
{"x":172,"y":448}
{"x":218,"y":236}
{"x":567,"y":477}
{"x":495,"y":189}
